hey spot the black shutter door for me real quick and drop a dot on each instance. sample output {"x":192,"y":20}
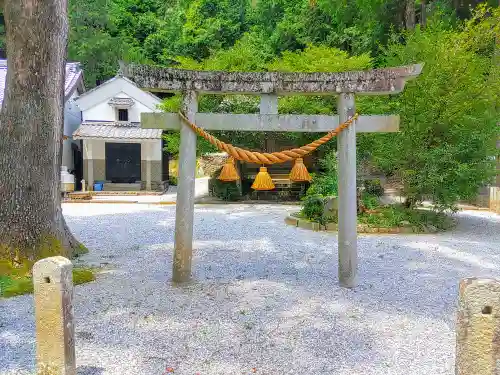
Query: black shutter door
{"x":123,"y":162}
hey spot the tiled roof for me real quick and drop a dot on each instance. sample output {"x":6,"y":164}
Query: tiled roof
{"x":115,"y":130}
{"x":121,"y":102}
{"x":73,"y":75}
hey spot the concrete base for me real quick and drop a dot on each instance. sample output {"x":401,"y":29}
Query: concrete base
{"x":155,"y":186}
{"x":109,"y":186}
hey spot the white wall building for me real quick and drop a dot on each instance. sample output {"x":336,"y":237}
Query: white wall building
{"x":116,"y":151}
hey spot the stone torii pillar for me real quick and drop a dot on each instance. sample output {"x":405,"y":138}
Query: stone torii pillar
{"x":270,"y":85}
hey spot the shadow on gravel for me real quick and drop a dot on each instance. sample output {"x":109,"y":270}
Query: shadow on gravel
{"x":89,"y":370}
{"x":266,"y":294}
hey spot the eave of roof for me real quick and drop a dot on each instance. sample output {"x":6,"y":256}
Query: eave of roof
{"x":73,"y":79}
{"x":115,"y":130}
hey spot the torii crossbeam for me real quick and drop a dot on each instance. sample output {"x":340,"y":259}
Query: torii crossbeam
{"x":269,"y":86}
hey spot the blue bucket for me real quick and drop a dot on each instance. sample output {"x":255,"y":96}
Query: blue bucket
{"x":98,"y":186}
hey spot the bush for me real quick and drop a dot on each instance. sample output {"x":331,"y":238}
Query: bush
{"x":449,"y":114}
{"x":398,"y":216}
{"x":374,"y":187}
{"x":172,"y":180}
{"x":227,"y":191}
{"x":313,"y":208}
{"x":326,"y":183}
{"x":369,"y":201}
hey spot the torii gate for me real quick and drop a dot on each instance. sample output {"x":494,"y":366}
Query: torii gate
{"x":269,"y":86}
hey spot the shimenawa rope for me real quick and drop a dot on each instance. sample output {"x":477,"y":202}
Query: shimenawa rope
{"x":267,"y":158}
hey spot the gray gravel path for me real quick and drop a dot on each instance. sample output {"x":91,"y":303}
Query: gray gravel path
{"x":265,"y":296}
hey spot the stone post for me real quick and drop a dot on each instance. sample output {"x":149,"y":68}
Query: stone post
{"x":55,"y":330}
{"x":268,"y":104}
{"x":148,"y":165}
{"x":90,"y":164}
{"x":347,"y":227}
{"x":494,"y":199}
{"x":478,"y":327}
{"x":183,"y":252}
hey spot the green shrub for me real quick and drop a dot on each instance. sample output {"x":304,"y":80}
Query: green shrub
{"x":326,"y":183}
{"x":449,"y":115}
{"x":369,"y":201}
{"x":374,"y":187}
{"x":172,"y":180}
{"x":227,"y":191}
{"x":398,"y":215}
{"x":313,"y":207}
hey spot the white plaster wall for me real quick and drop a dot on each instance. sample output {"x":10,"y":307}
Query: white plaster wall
{"x":93,"y":149}
{"x":104,"y":112}
{"x":72,"y":119}
{"x":151,"y":150}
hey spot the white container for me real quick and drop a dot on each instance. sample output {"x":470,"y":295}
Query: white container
{"x":67,"y":180}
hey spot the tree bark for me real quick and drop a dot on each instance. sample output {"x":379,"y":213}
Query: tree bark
{"x":423,"y":13}
{"x":31,"y":128}
{"x":410,"y":14}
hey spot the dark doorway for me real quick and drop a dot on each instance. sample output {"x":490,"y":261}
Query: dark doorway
{"x":123,"y":162}
{"x":78,"y":163}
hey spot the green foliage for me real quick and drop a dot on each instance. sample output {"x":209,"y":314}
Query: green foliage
{"x":95,"y":39}
{"x":232,"y":34}
{"x":227,"y":191}
{"x":374,"y":187}
{"x":172,"y":180}
{"x":370,"y":201}
{"x":313,"y":207}
{"x":18,"y":281}
{"x":399,"y":216}
{"x":319,"y":59}
{"x":449,"y":114}
{"x":326,"y":182}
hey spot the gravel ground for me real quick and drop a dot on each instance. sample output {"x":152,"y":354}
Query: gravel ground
{"x":265,"y":296}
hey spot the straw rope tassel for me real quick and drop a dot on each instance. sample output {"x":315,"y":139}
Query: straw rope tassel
{"x":263,"y":180}
{"x":299,"y":172}
{"x":229,"y":172}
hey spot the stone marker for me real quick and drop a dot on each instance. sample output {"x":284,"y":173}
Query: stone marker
{"x":55,"y":330}
{"x":478,"y":327}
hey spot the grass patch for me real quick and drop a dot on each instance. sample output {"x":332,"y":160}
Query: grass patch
{"x":83,"y":275}
{"x":18,"y":281}
{"x":380,"y":216}
{"x":399,"y":216}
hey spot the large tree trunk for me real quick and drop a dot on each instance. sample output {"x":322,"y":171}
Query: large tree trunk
{"x":410,"y":15}
{"x":31,"y":128}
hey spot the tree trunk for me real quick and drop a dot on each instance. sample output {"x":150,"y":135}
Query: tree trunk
{"x":31,"y":128}
{"x":410,"y":14}
{"x":423,"y":13}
